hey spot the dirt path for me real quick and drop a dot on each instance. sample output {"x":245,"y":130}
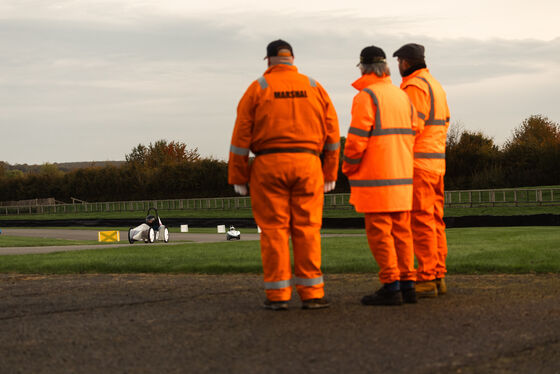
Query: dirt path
{"x":214,"y":324}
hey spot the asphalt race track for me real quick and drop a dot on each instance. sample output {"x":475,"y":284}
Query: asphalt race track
{"x":192,"y":323}
{"x":215,"y":324}
{"x":175,"y":238}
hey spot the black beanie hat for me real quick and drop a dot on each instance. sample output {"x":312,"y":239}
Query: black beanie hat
{"x":372,"y":54}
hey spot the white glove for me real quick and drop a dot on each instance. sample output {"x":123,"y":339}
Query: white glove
{"x":329,"y":186}
{"x":240,"y":189}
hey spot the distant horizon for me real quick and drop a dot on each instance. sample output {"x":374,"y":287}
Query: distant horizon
{"x":69,"y":162}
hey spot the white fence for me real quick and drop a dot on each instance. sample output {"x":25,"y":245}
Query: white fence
{"x":467,"y":198}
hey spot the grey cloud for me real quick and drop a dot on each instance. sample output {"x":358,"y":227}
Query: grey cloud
{"x":185,"y":40}
{"x":170,"y":77}
{"x":467,"y":60}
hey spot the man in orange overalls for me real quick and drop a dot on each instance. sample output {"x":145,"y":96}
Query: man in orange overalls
{"x":378,"y":162}
{"x":428,"y":228}
{"x":287,"y":120}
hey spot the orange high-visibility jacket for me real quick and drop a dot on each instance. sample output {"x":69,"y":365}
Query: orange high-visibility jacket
{"x":430,"y":102}
{"x":378,"y":152}
{"x":284,"y":109}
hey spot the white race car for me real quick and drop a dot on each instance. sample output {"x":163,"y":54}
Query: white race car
{"x":150,"y":231}
{"x":233,"y":234}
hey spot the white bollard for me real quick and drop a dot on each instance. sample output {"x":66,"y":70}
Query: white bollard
{"x":184,"y":228}
{"x":221,"y":229}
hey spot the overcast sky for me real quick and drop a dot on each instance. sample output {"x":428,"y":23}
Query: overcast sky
{"x":88,"y":80}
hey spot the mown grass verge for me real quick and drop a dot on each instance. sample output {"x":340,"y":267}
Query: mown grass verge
{"x":247,"y":213}
{"x":471,"y":251}
{"x":20,"y":241}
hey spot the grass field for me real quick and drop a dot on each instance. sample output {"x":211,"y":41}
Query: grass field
{"x":471,"y":251}
{"x":246,"y":213}
{"x":20,"y":241}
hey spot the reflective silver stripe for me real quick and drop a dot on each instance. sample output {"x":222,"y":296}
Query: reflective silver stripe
{"x":431,"y":121}
{"x":263,"y":83}
{"x":394,"y":131}
{"x":381,"y":132}
{"x":239,"y":151}
{"x":352,"y":161}
{"x":380,"y":182}
{"x":421,"y":115}
{"x":277,"y":285}
{"x":431,"y":115}
{"x":436,"y":122}
{"x":309,"y":282}
{"x":312,"y":82}
{"x":378,"y":130}
{"x":428,"y":155}
{"x":331,"y":146}
{"x":358,"y":132}
{"x":378,"y":111}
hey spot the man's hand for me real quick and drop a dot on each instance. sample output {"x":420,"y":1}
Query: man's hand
{"x":329,"y":186}
{"x":240,"y":189}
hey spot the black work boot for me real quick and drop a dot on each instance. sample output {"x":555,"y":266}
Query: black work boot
{"x":383,"y":296}
{"x":408,"y":292}
{"x":409,"y":296}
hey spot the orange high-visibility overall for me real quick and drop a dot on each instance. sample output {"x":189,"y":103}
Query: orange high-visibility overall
{"x":428,"y":227}
{"x":379,"y":164}
{"x":287,"y":120}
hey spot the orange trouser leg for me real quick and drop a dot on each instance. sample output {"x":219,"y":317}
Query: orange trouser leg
{"x":278,"y":183}
{"x":402,"y":236}
{"x":441,"y":267}
{"x":386,"y":232}
{"x":423,"y":224}
{"x":307,"y":210}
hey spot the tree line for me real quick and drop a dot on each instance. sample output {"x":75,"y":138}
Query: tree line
{"x":530,"y":157}
{"x":169,"y":170}
{"x":162,"y":170}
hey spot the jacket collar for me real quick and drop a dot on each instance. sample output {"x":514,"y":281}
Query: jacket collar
{"x":281,"y":67}
{"x":415,"y":73}
{"x":414,"y":68}
{"x":369,"y":79}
